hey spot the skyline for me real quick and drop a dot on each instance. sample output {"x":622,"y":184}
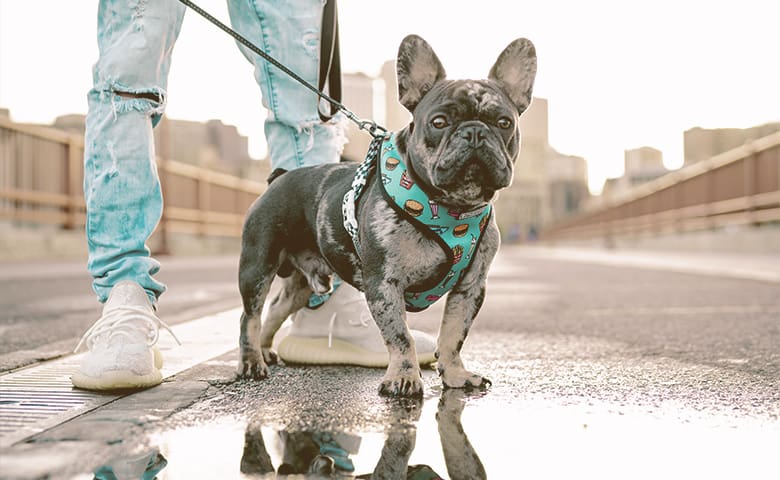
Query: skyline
{"x":629,"y":76}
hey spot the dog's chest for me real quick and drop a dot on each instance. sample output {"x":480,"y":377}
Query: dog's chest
{"x":409,"y":256}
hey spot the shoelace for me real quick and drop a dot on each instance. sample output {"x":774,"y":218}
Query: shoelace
{"x":126,"y":320}
{"x":365,"y":317}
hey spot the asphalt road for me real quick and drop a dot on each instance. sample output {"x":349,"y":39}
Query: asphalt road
{"x":599,"y":369}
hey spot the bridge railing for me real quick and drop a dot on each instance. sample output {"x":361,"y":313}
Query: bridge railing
{"x":41,"y":183}
{"x":737,"y":187}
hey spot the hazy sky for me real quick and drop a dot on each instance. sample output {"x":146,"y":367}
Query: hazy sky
{"x":617,"y":74}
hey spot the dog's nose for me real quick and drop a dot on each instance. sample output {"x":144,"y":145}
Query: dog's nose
{"x":474,"y":134}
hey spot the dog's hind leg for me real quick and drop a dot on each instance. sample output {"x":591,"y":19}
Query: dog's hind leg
{"x":293,"y":296}
{"x":254,"y":281}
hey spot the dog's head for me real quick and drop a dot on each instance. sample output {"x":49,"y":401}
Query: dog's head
{"x":464,"y":137}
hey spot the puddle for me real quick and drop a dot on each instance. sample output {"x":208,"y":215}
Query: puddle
{"x":457,"y":436}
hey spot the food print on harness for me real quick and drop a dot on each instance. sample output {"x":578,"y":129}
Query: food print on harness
{"x":457,"y":233}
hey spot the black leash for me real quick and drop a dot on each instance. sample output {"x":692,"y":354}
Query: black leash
{"x":371,"y":127}
{"x":330,"y":58}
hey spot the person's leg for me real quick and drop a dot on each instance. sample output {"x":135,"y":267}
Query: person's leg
{"x":289,"y":31}
{"x":341,"y":329}
{"x":122,"y":188}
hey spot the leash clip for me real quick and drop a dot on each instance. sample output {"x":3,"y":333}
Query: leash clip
{"x":373,"y":129}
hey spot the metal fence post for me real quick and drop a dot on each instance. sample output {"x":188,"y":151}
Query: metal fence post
{"x":749,"y":173}
{"x":72,"y":184}
{"x":162,"y":228}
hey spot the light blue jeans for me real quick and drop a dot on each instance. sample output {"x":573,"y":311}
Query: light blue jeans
{"x":121,"y":185}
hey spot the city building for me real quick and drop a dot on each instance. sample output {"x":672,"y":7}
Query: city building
{"x":521,"y":209}
{"x":641,"y":165}
{"x":567,"y":184}
{"x":366,"y":97}
{"x":396,"y":115}
{"x":211,"y":145}
{"x":547,"y":186}
{"x":701,"y":144}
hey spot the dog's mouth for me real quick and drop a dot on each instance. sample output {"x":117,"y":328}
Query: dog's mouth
{"x":472,"y":185}
{"x":472,"y":172}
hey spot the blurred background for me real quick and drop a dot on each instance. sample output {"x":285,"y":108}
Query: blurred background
{"x":654,"y":124}
{"x":632,"y":312}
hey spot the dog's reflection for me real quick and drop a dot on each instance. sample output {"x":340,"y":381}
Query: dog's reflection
{"x":327,"y":454}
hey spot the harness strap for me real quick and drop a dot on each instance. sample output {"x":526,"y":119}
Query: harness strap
{"x":349,"y":203}
{"x":457,"y":232}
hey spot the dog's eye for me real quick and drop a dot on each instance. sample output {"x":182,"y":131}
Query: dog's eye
{"x":439,"y":121}
{"x":504,"y":123}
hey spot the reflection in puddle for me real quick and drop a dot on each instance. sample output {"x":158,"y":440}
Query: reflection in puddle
{"x":239,"y":448}
{"x":437,"y":439}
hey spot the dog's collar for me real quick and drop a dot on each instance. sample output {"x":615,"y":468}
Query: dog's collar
{"x":457,"y":232}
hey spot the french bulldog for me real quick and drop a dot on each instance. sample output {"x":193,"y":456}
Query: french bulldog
{"x":460,"y":149}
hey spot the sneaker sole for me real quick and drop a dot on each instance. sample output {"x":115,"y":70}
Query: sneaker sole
{"x":316,"y":351}
{"x":116,"y":380}
{"x":121,"y":379}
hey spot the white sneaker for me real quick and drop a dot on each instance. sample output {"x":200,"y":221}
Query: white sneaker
{"x":342,"y":331}
{"x":121,"y":343}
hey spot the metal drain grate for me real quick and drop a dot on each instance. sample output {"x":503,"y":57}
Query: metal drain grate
{"x":38,"y":398}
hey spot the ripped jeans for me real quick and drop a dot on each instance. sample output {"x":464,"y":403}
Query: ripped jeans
{"x":121,"y":186}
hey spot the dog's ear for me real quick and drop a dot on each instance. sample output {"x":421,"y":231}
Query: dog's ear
{"x":418,"y":69}
{"x":515,"y":71}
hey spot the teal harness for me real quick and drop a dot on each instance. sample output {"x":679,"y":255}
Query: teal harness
{"x":458,"y":233}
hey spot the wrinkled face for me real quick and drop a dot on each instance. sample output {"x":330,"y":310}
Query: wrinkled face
{"x":464,"y":140}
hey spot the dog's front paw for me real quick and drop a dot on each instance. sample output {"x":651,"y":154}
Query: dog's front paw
{"x":402,"y":384}
{"x":252,"y":366}
{"x":457,"y":377}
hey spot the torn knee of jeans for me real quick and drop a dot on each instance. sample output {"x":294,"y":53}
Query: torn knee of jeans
{"x":123,"y":99}
{"x":152,"y":100}
{"x":153,"y":96}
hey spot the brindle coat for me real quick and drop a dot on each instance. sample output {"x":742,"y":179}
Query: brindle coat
{"x":295,"y":229}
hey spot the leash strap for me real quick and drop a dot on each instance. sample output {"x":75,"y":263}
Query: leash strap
{"x":371,"y":127}
{"x":330,"y":59}
{"x":348,"y":205}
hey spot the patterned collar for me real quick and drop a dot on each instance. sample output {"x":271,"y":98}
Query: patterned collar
{"x":458,"y":233}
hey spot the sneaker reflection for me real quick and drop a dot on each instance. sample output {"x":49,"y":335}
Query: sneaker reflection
{"x":144,"y":466}
{"x":327,"y":454}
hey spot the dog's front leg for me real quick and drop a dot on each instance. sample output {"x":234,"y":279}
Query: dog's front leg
{"x":459,"y":313}
{"x":403,"y":377}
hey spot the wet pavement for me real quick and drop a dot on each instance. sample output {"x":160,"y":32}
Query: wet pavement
{"x":598,"y":371}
